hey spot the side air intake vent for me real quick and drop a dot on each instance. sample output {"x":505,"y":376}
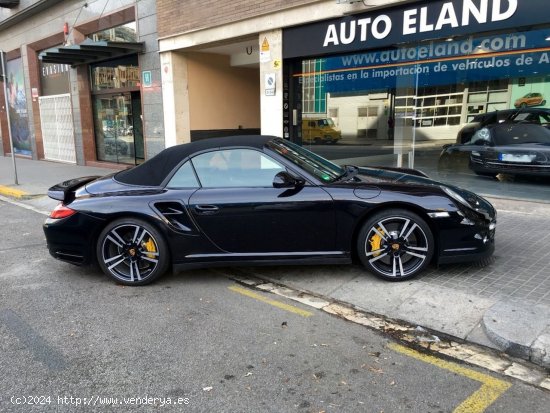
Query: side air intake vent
{"x":175,"y":214}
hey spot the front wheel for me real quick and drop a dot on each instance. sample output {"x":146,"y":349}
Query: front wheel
{"x":395,"y":245}
{"x":132,"y":252}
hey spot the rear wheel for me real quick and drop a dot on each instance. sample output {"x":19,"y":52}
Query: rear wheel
{"x":395,"y":245}
{"x":132,"y":252}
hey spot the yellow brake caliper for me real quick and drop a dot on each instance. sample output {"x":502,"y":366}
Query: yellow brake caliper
{"x":376,"y":242}
{"x":150,"y":247}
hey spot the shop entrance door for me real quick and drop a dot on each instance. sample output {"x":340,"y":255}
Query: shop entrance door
{"x":118,"y":128}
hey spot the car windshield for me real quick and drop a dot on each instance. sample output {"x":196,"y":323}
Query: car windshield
{"x":314,"y":164}
{"x":325,"y":122}
{"x":513,"y":134}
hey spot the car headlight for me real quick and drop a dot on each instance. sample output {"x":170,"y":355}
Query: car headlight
{"x":482,"y":134}
{"x":457,"y":197}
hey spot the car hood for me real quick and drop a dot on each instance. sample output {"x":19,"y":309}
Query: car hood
{"x":394,"y":175}
{"x":367,"y":177}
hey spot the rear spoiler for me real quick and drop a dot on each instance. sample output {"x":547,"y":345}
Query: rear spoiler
{"x":61,"y":190}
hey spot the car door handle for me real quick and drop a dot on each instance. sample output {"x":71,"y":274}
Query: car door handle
{"x":206,"y":209}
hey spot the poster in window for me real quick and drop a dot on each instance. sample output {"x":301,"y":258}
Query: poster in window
{"x":17,"y":101}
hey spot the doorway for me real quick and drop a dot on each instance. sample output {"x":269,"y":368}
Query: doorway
{"x":119,"y":128}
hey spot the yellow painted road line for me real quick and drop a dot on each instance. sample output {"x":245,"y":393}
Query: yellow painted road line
{"x":12,"y":192}
{"x":278,"y":304}
{"x":490,"y":390}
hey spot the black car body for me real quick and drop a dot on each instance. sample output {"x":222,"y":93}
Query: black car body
{"x":537,"y":116}
{"x":506,"y":148}
{"x":263,"y":200}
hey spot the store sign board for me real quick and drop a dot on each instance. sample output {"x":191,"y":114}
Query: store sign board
{"x":54,"y":78}
{"x":482,"y":58}
{"x":411,"y":23}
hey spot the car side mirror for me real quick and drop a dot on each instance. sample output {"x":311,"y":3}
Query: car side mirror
{"x":285,"y":180}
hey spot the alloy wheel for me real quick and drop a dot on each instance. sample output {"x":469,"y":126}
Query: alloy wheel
{"x":130,"y":253}
{"x":396,"y":246}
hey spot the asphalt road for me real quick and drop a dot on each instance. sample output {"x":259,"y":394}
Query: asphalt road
{"x":71,"y":340}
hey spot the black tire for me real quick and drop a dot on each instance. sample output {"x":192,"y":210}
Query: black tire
{"x":317,"y":140}
{"x":395,"y":245}
{"x":132,"y":252}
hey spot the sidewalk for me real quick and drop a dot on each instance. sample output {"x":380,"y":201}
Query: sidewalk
{"x":505,"y":305}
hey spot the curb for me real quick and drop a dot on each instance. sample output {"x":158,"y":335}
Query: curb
{"x":528,"y":339}
{"x":418,"y":337}
{"x":13,"y":193}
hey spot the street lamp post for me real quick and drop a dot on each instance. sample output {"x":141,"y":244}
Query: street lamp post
{"x":2,"y":57}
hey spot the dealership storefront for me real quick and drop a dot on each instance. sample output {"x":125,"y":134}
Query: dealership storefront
{"x":392,"y":87}
{"x":82,"y":82}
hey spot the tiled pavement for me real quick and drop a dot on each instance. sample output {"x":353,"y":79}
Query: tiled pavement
{"x":520,"y":269}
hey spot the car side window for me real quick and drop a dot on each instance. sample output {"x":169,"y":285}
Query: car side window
{"x":184,"y":177}
{"x":235,"y":168}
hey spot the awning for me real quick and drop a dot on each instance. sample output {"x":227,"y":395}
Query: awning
{"x":90,"y":51}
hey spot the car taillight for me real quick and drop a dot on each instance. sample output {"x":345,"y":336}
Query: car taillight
{"x":61,"y":211}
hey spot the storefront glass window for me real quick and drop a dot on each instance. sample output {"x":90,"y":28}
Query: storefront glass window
{"x":117,"y":110}
{"x":417,"y":104}
{"x":124,"y":33}
{"x":115,"y":74}
{"x":118,"y":127}
{"x":114,"y":128}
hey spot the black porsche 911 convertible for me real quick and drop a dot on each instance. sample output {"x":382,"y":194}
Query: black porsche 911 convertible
{"x":255,"y":200}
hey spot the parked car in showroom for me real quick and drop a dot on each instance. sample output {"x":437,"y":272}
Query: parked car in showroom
{"x":538,"y":116}
{"x":258,"y":200}
{"x":508,"y":148}
{"x":530,"y":99}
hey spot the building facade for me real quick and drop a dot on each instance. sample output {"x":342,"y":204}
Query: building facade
{"x":82,"y":81}
{"x":390,"y":82}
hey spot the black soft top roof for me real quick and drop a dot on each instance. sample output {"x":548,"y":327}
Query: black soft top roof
{"x":153,"y":171}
